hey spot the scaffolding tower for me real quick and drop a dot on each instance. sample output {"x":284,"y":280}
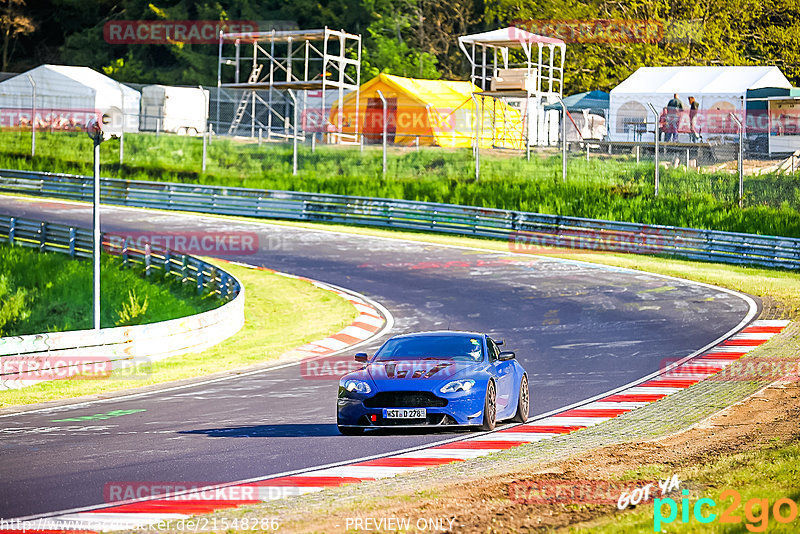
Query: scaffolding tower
{"x":525,"y":70}
{"x":278,"y":65}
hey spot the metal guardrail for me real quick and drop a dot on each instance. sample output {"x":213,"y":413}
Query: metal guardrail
{"x":525,"y":231}
{"x":77,"y":242}
{"x":29,"y":359}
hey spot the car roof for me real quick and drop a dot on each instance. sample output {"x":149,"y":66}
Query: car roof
{"x":439,"y":333}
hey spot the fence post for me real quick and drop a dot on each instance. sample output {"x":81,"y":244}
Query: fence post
{"x":125,"y":251}
{"x":42,"y":235}
{"x":72,"y":242}
{"x":563,"y":139}
{"x":147,"y":259}
{"x":476,"y":148}
{"x":199,"y":278}
{"x":385,"y":120}
{"x":294,"y":132}
{"x":657,"y":146}
{"x":33,"y":115}
{"x":167,"y":261}
{"x":205,"y":149}
{"x":184,"y":267}
{"x":122,"y":123}
{"x":12,"y":228}
{"x":740,"y":161}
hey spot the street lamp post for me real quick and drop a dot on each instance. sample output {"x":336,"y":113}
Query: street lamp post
{"x":95,"y":132}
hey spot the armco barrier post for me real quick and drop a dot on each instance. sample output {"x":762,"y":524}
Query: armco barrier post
{"x":655,"y":135}
{"x":385,"y":120}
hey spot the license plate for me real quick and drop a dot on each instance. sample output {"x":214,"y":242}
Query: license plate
{"x":404,"y":413}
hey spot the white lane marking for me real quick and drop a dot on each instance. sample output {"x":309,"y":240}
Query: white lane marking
{"x":756,"y":336}
{"x":772,"y":322}
{"x":355,"y":331}
{"x":363,"y":471}
{"x":573,"y":421}
{"x":519,"y":436}
{"x":643,"y":390}
{"x":614,"y":405}
{"x":456,"y":454}
{"x":370,"y":320}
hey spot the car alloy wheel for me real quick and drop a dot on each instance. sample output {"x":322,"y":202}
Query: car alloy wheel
{"x":490,"y":408}
{"x":523,"y":405}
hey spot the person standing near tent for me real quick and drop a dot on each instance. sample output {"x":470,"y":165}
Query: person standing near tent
{"x":662,"y":125}
{"x":674,"y":107}
{"x":694,"y":106}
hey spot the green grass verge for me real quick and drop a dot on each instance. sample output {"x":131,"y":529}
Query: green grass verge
{"x":281,"y":314}
{"x":606,"y":187}
{"x":770,"y":474}
{"x":51,"y":292}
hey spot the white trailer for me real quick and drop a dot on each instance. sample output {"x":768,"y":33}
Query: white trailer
{"x":180,"y":110}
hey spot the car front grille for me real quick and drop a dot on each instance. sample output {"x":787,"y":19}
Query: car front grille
{"x":405,"y":399}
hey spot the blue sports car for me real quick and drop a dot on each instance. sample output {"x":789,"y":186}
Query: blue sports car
{"x":434,"y":379}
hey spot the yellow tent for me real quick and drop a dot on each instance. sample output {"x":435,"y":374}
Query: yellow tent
{"x":429,"y":112}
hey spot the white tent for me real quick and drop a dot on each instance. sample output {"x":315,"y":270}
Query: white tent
{"x":67,"y":97}
{"x":715,"y":88}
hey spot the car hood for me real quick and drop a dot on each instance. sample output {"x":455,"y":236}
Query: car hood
{"x":419,"y":371}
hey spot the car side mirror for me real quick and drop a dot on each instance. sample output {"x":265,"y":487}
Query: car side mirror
{"x":506,"y":355}
{"x":362,"y":357}
{"x":498,"y":343}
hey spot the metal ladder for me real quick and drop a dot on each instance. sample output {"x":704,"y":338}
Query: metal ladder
{"x":254,"y":74}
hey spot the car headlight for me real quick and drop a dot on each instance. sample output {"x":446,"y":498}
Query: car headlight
{"x":457,"y":385}
{"x":357,"y":386}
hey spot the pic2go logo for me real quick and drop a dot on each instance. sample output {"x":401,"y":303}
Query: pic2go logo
{"x":756,"y":511}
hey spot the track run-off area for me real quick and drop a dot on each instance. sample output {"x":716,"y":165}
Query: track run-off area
{"x":580,"y":330}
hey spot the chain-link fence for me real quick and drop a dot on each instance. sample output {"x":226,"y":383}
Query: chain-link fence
{"x":157,"y":132}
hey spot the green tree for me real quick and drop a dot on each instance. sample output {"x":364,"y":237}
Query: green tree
{"x":14,"y":22}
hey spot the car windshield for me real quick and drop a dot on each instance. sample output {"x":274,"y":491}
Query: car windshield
{"x":465,"y":348}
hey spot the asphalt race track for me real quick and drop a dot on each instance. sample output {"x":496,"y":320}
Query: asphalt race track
{"x":579,"y":330}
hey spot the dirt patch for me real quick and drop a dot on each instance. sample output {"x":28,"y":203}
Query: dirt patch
{"x":494,"y":504}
